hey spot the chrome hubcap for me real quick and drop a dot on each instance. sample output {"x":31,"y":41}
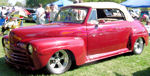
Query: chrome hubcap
{"x":138,"y":46}
{"x":59,"y":60}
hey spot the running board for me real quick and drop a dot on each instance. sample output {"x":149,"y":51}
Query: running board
{"x":95,"y":57}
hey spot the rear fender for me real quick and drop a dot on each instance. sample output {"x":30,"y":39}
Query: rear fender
{"x":138,"y":31}
{"x":136,"y":36}
{"x":46,"y":47}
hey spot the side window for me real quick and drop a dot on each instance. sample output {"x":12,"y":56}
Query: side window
{"x":109,"y":15}
{"x":93,"y":16}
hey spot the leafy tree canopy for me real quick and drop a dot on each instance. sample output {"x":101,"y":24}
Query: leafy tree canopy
{"x":4,"y":3}
{"x":34,"y":3}
{"x":19,"y":4}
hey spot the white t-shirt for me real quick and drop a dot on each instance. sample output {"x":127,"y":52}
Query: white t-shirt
{"x":40,"y":12}
{"x":4,"y":12}
{"x":52,"y":15}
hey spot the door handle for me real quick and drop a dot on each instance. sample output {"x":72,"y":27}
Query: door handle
{"x":96,"y":26}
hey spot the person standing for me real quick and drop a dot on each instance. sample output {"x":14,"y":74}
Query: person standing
{"x":40,"y":13}
{"x":3,"y":12}
{"x":47,"y":13}
{"x":53,"y":12}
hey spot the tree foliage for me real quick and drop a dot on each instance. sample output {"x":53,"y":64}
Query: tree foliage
{"x":34,"y":3}
{"x":4,"y":3}
{"x":19,"y":4}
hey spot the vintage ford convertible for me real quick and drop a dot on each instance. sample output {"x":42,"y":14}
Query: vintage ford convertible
{"x":80,"y":33}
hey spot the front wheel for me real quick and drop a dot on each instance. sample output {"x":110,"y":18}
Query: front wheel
{"x":138,"y":46}
{"x":59,"y":63}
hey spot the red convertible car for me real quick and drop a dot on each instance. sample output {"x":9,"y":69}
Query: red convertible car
{"x":80,"y":33}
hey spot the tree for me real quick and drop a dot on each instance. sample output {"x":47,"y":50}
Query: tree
{"x":4,"y":3}
{"x":34,"y":3}
{"x":18,"y":4}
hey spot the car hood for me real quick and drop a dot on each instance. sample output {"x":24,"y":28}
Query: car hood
{"x":46,"y":30}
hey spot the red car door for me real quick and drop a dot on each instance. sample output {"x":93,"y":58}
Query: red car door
{"x":107,"y":37}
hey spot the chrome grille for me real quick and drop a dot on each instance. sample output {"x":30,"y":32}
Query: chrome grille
{"x":20,"y":57}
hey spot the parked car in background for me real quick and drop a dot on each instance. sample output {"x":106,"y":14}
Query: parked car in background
{"x":32,"y":16}
{"x":81,"y":33}
{"x":134,"y":14}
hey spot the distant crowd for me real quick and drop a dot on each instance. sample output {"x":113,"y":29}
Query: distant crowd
{"x":46,"y":15}
{"x":42,"y":15}
{"x":5,"y":11}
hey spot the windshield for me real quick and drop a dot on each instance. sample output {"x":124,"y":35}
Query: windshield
{"x":71,"y":15}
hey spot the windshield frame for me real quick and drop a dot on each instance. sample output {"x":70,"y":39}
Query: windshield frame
{"x":76,"y":7}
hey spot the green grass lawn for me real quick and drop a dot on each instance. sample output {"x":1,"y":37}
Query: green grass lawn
{"x":28,"y":24}
{"x":122,"y":65}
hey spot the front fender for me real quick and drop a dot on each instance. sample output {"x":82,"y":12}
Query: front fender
{"x":46,"y":47}
{"x":4,"y":37}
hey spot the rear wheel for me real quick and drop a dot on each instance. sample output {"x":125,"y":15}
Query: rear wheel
{"x":138,"y":46}
{"x":59,"y":63}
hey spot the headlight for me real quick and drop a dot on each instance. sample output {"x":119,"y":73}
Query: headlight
{"x":30,"y":49}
